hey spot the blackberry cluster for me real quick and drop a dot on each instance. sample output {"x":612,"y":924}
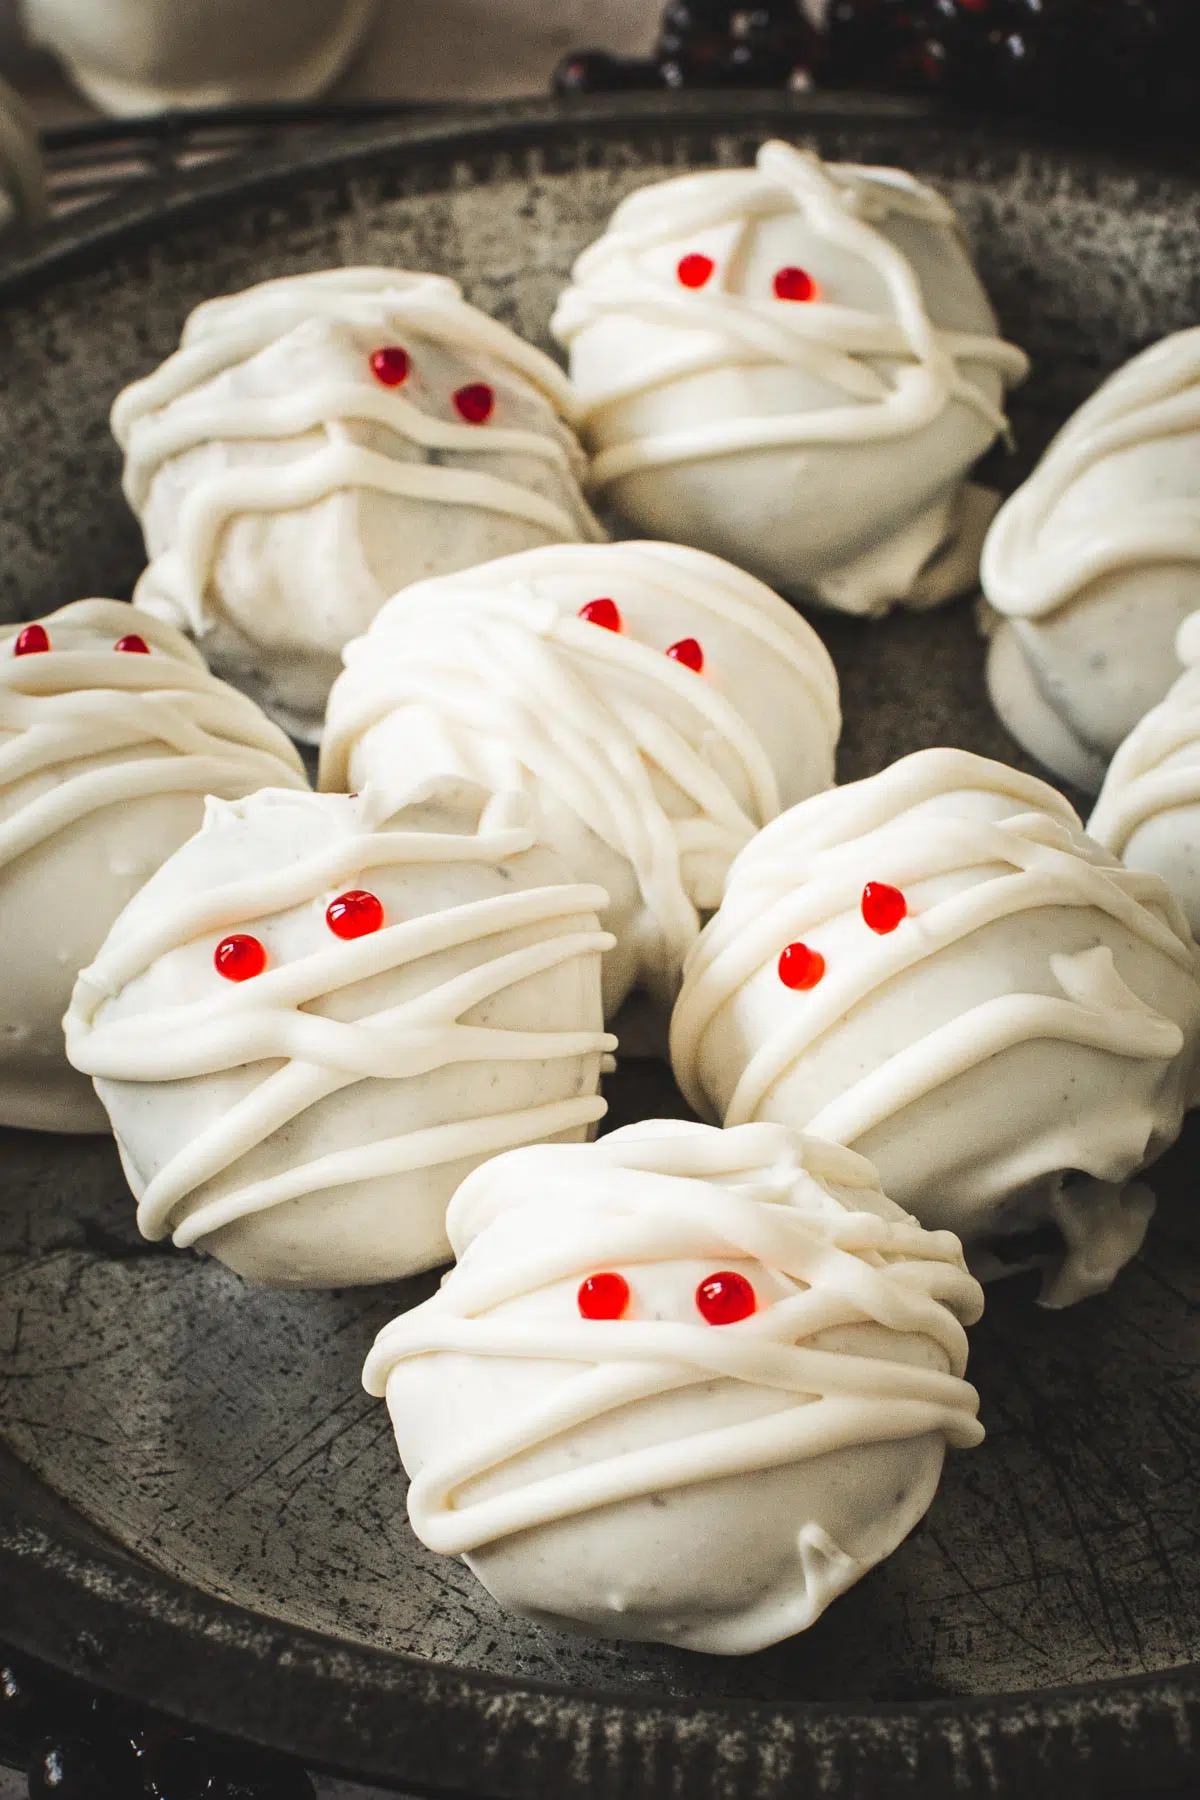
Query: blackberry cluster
{"x":77,"y":1746}
{"x":705,"y":43}
{"x":1122,"y":62}
{"x":1116,"y":61}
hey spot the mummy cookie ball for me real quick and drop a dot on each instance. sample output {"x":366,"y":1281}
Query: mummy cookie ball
{"x":1148,"y":812}
{"x":112,"y":731}
{"x":683,"y":1384}
{"x":326,"y":1009}
{"x":658,"y":704}
{"x":794,"y":366}
{"x":1092,"y":566}
{"x":936,"y":968}
{"x":318,"y":442}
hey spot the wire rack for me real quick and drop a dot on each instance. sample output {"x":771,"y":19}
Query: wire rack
{"x":99,"y":160}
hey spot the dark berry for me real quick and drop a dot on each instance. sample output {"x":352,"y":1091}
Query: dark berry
{"x":871,"y":43}
{"x":770,"y":45}
{"x":73,"y":1768}
{"x":247,"y":1776}
{"x":173,"y":1765}
{"x":694,"y":42}
{"x":596,"y":72}
{"x":21,"y":1709}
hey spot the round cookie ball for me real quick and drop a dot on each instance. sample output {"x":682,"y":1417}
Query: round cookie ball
{"x":683,"y":1385}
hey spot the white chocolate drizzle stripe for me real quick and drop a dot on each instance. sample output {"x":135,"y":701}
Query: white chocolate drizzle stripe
{"x":462,"y":1139}
{"x":1137,"y":788}
{"x":179,"y":579}
{"x":326,"y":404}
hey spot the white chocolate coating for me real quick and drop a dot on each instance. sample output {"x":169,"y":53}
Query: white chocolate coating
{"x":822,"y":444}
{"x":105,"y":760}
{"x":284,"y":491}
{"x":309,"y":1125}
{"x":655,"y":1476}
{"x":1094,"y":563}
{"x":1148,"y":812}
{"x":649,"y":776}
{"x":1035,"y":1015}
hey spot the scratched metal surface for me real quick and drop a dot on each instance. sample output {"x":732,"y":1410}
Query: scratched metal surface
{"x":219,"y":1432}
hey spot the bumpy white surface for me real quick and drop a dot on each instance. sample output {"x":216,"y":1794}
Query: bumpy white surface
{"x":649,"y":776}
{"x":1095,"y":562}
{"x":105,"y":759}
{"x":1036,"y":1014}
{"x":285,"y":492}
{"x":822,"y":444}
{"x":655,"y":1476}
{"x":309,"y":1125}
{"x":1148,"y":812}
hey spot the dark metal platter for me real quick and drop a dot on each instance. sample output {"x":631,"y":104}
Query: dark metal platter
{"x":198,"y":1505}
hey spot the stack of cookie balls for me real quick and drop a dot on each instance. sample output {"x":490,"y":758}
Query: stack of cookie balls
{"x":353,"y":1034}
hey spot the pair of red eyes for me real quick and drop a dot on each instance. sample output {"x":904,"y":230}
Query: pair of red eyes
{"x":883,"y":909}
{"x":35,"y":640}
{"x":352,"y":915}
{"x":607,"y":614}
{"x":721,"y":1299}
{"x":475,"y":403}
{"x":696,"y":271}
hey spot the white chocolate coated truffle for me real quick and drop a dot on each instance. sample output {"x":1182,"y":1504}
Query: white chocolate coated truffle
{"x":105,"y":758}
{"x":794,"y":366}
{"x":653,"y":1474}
{"x":308,"y":1121}
{"x":288,"y":478}
{"x":1094,"y":564}
{"x":1005,"y":1021}
{"x":650,"y":773}
{"x":1148,"y":812}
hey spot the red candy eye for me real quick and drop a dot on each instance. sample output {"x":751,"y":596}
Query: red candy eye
{"x":694,"y":270}
{"x":133,"y":645}
{"x":603,"y":1296}
{"x":605,"y":613}
{"x":795,"y":284}
{"x":688,"y":652}
{"x":883,"y":907}
{"x":32,"y":641}
{"x":354,"y":915}
{"x":390,"y":365}
{"x":475,"y":403}
{"x":240,"y":957}
{"x":724,"y":1298}
{"x":800,"y":967}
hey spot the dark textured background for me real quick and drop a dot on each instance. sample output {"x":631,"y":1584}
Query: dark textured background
{"x":219,"y":1433}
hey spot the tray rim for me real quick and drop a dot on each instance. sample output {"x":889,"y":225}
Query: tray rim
{"x":82,"y":1604}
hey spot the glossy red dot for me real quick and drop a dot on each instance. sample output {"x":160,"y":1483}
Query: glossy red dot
{"x":475,"y":403}
{"x":605,"y":613}
{"x":724,"y":1298}
{"x":32,"y":641}
{"x":794,"y":284}
{"x":603,"y":1296}
{"x":883,"y":907}
{"x":800,"y":967}
{"x":694,"y":269}
{"x":240,"y":957}
{"x":133,"y":645}
{"x":390,"y":365}
{"x":688,"y":652}
{"x":355,"y":914}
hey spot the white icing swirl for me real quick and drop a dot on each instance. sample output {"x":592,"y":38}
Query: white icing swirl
{"x":291,"y":442}
{"x":1019,"y":933}
{"x":828,"y":1255}
{"x":289,"y":1030}
{"x":840,"y":344}
{"x":653,"y":759}
{"x":1148,"y":812}
{"x":105,"y":758}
